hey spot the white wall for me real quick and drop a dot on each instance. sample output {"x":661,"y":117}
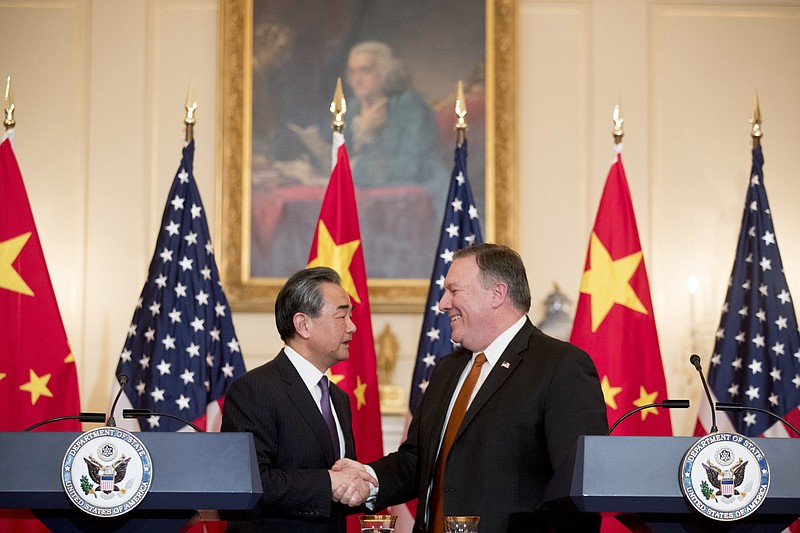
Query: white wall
{"x":100,"y":88}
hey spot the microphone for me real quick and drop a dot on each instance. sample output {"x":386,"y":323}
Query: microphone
{"x":695,"y":360}
{"x":122,"y":379}
{"x":738,"y":407}
{"x":83,"y":417}
{"x":145,"y":413}
{"x":666,"y":404}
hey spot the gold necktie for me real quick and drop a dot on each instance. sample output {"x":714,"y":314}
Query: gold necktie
{"x":453,"y":424}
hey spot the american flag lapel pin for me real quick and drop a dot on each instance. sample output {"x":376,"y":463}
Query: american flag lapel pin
{"x":505,"y":364}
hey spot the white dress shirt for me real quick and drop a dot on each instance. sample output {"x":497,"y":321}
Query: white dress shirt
{"x":311,"y":376}
{"x":492,"y":353}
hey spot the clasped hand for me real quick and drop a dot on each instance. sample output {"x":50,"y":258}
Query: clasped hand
{"x":350,"y":482}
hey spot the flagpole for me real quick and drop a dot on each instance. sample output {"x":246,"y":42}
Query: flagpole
{"x":618,"y":132}
{"x":338,"y":108}
{"x":461,"y":112}
{"x":8,"y":106}
{"x":756,"y":133}
{"x":189,"y":120}
{"x":35,"y":352}
{"x":199,"y":323}
{"x":750,"y":340}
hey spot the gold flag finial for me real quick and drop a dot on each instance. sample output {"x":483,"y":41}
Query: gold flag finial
{"x":461,"y":112}
{"x":191,"y":107}
{"x":338,"y":107}
{"x":618,"y":132}
{"x":8,"y":106}
{"x":756,"y":133}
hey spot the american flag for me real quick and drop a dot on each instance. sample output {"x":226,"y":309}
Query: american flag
{"x":181,"y":351}
{"x":460,"y":228}
{"x":756,"y":358}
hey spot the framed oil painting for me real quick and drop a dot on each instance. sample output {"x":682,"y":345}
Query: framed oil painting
{"x":399,"y":63}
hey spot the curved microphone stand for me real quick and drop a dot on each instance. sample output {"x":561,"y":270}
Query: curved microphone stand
{"x":666,"y":404}
{"x":83,"y":417}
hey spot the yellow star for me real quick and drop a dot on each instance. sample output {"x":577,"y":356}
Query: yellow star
{"x":360,"y":393}
{"x":337,"y":257}
{"x":335,"y":378}
{"x":9,"y":277}
{"x":608,"y":282}
{"x":69,"y":358}
{"x":37,"y":386}
{"x":610,"y":393}
{"x":644,"y":399}
{"x":2,"y":375}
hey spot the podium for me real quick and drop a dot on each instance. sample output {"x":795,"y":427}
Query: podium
{"x":191,"y":471}
{"x":640,"y":477}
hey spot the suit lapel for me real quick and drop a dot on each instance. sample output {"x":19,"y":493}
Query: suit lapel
{"x":304,"y":402}
{"x":342,"y":407}
{"x":508,"y":362}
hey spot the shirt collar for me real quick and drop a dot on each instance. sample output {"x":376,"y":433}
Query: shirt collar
{"x":499,"y":345}
{"x":308,"y":372}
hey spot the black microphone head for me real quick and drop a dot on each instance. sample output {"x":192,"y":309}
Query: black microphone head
{"x":135,"y":413}
{"x":122,"y":379}
{"x":92,"y":417}
{"x":695,"y":360}
{"x":675,"y":404}
{"x":730,"y":406}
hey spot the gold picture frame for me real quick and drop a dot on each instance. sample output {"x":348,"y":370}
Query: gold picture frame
{"x":500,"y":221}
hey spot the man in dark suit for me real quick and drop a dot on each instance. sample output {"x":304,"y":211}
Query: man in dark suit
{"x":301,"y":423}
{"x":500,"y":415}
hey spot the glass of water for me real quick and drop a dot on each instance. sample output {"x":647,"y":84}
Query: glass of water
{"x":461,"y":524}
{"x":377,"y":523}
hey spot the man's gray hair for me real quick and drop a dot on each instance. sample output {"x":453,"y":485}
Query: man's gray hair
{"x":302,"y":293}
{"x":393,"y":74}
{"x":498,"y":263}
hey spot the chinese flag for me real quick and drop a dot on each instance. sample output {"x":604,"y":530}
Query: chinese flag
{"x":337,"y":244}
{"x":38,"y":379}
{"x":614,"y":319}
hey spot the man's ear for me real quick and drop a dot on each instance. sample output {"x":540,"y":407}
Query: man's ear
{"x":499,"y":294}
{"x":302,"y":325}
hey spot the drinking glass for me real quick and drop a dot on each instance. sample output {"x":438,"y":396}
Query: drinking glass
{"x":461,"y":524}
{"x":377,"y":523}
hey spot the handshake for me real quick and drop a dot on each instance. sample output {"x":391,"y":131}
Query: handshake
{"x":350,"y":482}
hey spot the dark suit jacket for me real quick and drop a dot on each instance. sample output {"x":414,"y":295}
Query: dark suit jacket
{"x":521,"y":426}
{"x":293,"y":446}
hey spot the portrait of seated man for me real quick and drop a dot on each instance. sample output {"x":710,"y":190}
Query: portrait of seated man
{"x":400,"y":94}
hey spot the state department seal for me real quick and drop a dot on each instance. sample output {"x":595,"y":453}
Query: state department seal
{"x":725,"y":476}
{"x":106,"y":472}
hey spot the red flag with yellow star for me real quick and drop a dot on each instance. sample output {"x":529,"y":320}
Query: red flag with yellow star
{"x":614,"y":319}
{"x":38,"y":379}
{"x":337,"y":244}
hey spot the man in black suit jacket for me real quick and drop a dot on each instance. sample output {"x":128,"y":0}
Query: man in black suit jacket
{"x":280,"y":404}
{"x":534,"y":395}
